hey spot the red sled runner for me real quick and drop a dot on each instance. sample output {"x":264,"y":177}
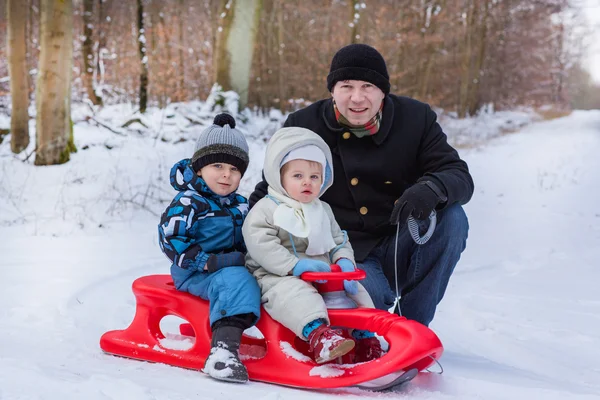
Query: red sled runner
{"x":283,"y":359}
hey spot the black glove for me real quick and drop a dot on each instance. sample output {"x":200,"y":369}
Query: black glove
{"x":217,"y":261}
{"x":260,"y":191}
{"x":419,"y":200}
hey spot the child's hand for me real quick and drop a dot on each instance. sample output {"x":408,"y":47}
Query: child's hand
{"x":217,"y":261}
{"x":308,"y":265}
{"x":351,"y":287}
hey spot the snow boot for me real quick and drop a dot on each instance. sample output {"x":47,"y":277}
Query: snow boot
{"x":224,"y":363}
{"x":327,"y":344}
{"x":367,"y":349}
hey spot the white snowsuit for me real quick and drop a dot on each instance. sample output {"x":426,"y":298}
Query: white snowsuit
{"x":271,"y":254}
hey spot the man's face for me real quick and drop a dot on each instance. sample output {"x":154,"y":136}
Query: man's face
{"x":358,"y":101}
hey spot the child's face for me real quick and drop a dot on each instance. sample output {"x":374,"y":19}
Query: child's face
{"x":221,"y":178}
{"x":302,"y":180}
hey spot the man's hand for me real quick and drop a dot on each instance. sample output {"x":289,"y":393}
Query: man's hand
{"x":419,"y":200}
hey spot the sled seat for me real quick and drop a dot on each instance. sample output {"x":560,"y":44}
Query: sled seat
{"x":156,"y":297}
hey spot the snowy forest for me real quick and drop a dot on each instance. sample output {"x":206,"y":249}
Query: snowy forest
{"x":99,"y":99}
{"x":459,"y":55}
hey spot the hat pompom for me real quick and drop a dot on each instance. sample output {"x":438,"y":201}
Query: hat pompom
{"x":217,"y":144}
{"x":224,"y":119}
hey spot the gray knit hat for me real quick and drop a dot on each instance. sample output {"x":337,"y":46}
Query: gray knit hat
{"x":221,"y":142}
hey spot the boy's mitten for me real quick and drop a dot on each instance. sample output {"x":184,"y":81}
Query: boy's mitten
{"x":419,"y":200}
{"x":351,"y":287}
{"x":217,"y":261}
{"x":308,"y":265}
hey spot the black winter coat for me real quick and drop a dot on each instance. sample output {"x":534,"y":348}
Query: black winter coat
{"x":370,"y":173}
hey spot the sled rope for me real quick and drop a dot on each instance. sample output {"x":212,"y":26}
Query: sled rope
{"x":396,"y":268}
{"x":413,"y":228}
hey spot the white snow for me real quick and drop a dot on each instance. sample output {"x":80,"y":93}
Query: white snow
{"x":520,"y":319}
{"x":291,"y":352}
{"x":326,"y":371}
{"x":177,"y":342}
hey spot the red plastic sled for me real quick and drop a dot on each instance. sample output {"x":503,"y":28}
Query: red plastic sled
{"x":411,"y":345}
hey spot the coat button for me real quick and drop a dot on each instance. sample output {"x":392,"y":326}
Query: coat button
{"x":364,"y":210}
{"x":354,"y":181}
{"x":223,"y":312}
{"x":346,"y":135}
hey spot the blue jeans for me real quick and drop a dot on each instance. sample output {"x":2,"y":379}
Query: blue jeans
{"x":423,"y":270}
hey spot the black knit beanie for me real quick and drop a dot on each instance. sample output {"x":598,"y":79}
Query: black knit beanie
{"x":359,"y":62}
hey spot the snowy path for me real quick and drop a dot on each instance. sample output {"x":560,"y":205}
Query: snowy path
{"x":523,"y":309}
{"x":521,"y":318}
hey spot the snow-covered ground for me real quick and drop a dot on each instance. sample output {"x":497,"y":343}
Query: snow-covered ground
{"x":521,"y":318}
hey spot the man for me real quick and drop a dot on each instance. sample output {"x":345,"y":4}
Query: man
{"x":391,"y":160}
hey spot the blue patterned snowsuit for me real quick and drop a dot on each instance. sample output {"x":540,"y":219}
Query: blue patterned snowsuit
{"x":195,"y":225}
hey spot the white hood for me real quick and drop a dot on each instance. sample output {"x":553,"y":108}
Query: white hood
{"x":286,"y":140}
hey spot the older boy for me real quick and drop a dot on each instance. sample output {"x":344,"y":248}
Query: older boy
{"x":201,"y":233}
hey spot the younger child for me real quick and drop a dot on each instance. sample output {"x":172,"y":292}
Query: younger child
{"x":201,"y":233}
{"x":291,"y":231}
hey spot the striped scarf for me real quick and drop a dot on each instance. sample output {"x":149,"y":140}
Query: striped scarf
{"x":369,"y":129}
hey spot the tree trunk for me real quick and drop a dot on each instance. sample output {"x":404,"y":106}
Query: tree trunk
{"x":167,"y":68}
{"x":465,"y":82}
{"x":560,"y":67}
{"x":53,"y":101}
{"x":241,"y":44}
{"x":31,"y":46}
{"x":234,"y":62}
{"x":88,"y":52}
{"x":473,"y":100}
{"x":281,"y":53}
{"x":400,"y":61}
{"x":143,"y":57}
{"x":101,"y":49}
{"x":431,"y":49}
{"x":221,"y":60}
{"x":17,"y":67}
{"x":181,"y":95}
{"x":354,"y":20}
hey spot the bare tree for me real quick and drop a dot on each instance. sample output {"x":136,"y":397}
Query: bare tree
{"x":470,"y":30}
{"x":237,"y":46}
{"x":143,"y":57}
{"x":53,"y":98}
{"x":33,"y":25}
{"x":281,"y":52}
{"x":473,"y":95}
{"x":221,"y":56}
{"x":354,"y":18}
{"x":88,"y":52}
{"x":431,"y":43}
{"x":17,"y":67}
{"x":181,"y":82}
{"x":101,"y":47}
